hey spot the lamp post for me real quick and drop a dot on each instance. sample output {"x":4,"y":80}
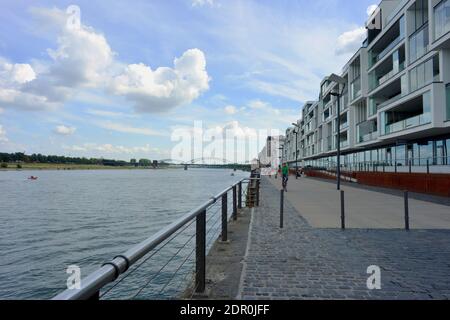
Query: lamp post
{"x":296,"y":131}
{"x":339,"y":80}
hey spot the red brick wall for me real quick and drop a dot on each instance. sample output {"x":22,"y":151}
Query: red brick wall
{"x":437,"y":184}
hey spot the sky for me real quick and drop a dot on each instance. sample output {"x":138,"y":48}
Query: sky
{"x":131,"y":79}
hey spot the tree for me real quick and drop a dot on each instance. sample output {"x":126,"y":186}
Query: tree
{"x":145,"y":162}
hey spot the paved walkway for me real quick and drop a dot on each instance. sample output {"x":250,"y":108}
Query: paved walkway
{"x":302,"y":262}
{"x":319,"y":203}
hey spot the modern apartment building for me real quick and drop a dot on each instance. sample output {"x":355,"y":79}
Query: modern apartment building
{"x":395,"y":103}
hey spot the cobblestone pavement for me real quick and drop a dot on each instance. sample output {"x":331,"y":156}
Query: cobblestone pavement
{"x":301,"y":262}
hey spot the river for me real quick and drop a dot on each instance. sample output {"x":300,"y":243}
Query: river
{"x":85,"y":218}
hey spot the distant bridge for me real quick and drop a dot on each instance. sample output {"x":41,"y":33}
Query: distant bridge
{"x":203,"y":162}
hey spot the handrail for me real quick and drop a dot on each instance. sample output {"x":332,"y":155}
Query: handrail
{"x":109,"y":272}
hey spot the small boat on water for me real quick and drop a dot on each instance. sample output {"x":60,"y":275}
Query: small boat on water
{"x":32,"y":178}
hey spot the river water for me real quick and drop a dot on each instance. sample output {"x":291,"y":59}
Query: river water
{"x":85,"y":218}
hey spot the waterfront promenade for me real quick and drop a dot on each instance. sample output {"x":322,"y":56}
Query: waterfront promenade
{"x":312,"y":259}
{"x":318,"y":201}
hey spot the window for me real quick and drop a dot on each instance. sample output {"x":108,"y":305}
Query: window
{"x":418,"y":44}
{"x":425,"y":73}
{"x":448,"y":101}
{"x":442,"y":19}
{"x":420,"y":14}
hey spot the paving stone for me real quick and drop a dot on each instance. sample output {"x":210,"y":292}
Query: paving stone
{"x":302,"y":262}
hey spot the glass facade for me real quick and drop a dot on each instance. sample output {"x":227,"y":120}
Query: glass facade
{"x":447,"y":90}
{"x":442,"y":19}
{"x":420,"y":153}
{"x":418,"y":44}
{"x":425,"y":73}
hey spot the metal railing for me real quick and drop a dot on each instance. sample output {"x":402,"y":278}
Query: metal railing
{"x":406,"y":165}
{"x":110,"y":272}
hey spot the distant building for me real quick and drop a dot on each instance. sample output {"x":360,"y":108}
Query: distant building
{"x":271,"y":155}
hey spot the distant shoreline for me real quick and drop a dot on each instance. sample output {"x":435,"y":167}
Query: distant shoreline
{"x":74,"y":167}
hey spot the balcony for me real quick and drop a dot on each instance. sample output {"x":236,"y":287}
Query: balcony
{"x":355,"y":88}
{"x":408,"y":123}
{"x":392,"y":38}
{"x":388,"y":69}
{"x":366,"y":131}
{"x":387,"y":95}
{"x":413,"y":113}
{"x":419,"y":44}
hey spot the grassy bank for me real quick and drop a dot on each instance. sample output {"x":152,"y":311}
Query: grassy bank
{"x":51,"y":166}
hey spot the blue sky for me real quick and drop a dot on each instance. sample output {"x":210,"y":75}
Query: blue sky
{"x":135,"y":71}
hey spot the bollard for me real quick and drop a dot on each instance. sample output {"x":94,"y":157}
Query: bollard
{"x":240,"y":195}
{"x":234,"y":203}
{"x":225,"y":217}
{"x":342,"y":210}
{"x":257,"y":193}
{"x":406,"y":211}
{"x":282,"y":209}
{"x":200,"y":253}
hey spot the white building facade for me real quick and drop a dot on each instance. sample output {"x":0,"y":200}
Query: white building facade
{"x":395,"y":104}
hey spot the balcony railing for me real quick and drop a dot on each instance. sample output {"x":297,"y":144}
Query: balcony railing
{"x":391,"y":74}
{"x":368,"y":137}
{"x":356,"y":88}
{"x":382,"y":54}
{"x":408,"y":123}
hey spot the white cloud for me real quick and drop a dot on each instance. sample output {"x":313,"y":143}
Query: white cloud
{"x":201,"y":3}
{"x":127,"y":129}
{"x":108,"y":114}
{"x":350,"y":41}
{"x":83,"y":59}
{"x":112,"y":149}
{"x":371,"y":9}
{"x":65,"y":130}
{"x":3,"y":134}
{"x":164,"y":88}
{"x":231,"y":110}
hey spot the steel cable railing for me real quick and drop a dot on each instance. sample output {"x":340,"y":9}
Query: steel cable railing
{"x":159,"y":250}
{"x":208,"y":227}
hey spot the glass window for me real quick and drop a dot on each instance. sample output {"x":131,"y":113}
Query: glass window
{"x":448,"y":101}
{"x":442,"y":18}
{"x":400,"y":155}
{"x":426,"y":153}
{"x":426,"y":107}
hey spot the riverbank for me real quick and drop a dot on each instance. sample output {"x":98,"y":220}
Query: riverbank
{"x":50,"y":166}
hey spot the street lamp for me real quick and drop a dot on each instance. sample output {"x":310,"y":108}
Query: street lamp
{"x":339,"y":80}
{"x":296,"y":131}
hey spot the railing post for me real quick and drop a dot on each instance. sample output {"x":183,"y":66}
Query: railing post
{"x":225,"y":217}
{"x":410,"y":166}
{"x":200,"y":262}
{"x":257,"y":192}
{"x":240,"y":195}
{"x":282,"y":209}
{"x":95,"y":297}
{"x":342,"y":210}
{"x":234,"y":203}
{"x":406,"y":196}
{"x":428,"y":166}
{"x":384,"y":167}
